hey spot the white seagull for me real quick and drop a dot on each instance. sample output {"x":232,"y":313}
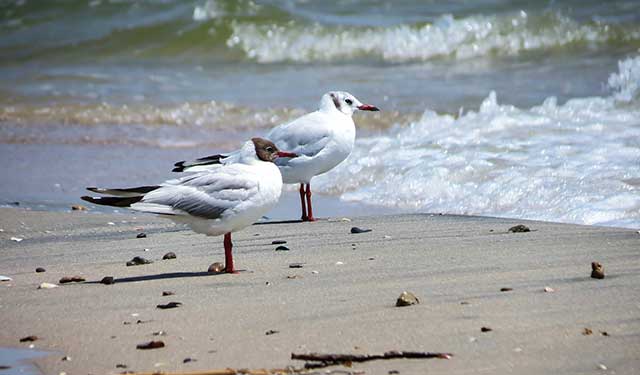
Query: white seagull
{"x":213,"y":202}
{"x":321,"y":140}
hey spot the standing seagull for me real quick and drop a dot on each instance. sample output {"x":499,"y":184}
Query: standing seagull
{"x":212,"y":202}
{"x":321,"y":139}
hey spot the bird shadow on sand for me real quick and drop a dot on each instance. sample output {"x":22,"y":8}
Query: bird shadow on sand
{"x":160,"y":276}
{"x":282,"y":222}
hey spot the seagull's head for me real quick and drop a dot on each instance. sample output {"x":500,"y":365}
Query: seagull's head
{"x":344,"y":102}
{"x":267,"y":151}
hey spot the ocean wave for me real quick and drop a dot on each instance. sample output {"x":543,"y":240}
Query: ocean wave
{"x":577,"y":162}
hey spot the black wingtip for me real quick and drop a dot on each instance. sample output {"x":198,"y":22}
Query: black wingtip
{"x":180,"y":163}
{"x":88,"y":198}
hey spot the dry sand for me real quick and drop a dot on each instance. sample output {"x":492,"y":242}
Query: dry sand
{"x":342,"y":300}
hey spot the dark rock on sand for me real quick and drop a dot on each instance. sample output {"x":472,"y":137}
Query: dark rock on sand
{"x":278,"y":242}
{"x":506,"y":289}
{"x":597,"y":270}
{"x":136,"y":261}
{"x":40,"y":269}
{"x":78,"y":207}
{"x":121,"y":365}
{"x":141,"y":235}
{"x":271,"y":332}
{"x":356,"y":230}
{"x":486,"y":329}
{"x":296,"y":265}
{"x":187,"y":360}
{"x":107,"y":280}
{"x":282,"y":248}
{"x":520,"y":228}
{"x":587,"y":332}
{"x":167,"y":293}
{"x":170,"y":305}
{"x":169,"y":255}
{"x":151,"y":345}
{"x":216,"y":267}
{"x":407,"y":299}
{"x":29,"y":338}
{"x":71,"y":279}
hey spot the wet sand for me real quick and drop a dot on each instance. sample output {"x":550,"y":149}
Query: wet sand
{"x":341,"y":301}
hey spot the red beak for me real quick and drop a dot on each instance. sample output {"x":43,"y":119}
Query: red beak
{"x":368,"y":107}
{"x":285,"y":154}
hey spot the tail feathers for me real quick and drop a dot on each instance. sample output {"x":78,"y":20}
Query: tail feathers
{"x":128,"y":192}
{"x":182,"y":166}
{"x":113,"y":201}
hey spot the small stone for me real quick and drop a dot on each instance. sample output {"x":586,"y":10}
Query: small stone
{"x":167,"y":293}
{"x":16,"y":239}
{"x":107,"y":280}
{"x":5,"y":278}
{"x":602,"y":366}
{"x":296,"y":265}
{"x":47,"y":286}
{"x":464,"y":303}
{"x":345,"y":220}
{"x":315,"y":272}
{"x":548,"y":289}
{"x":282,"y":248}
{"x":604,"y":333}
{"x":150,"y":345}
{"x":66,"y":358}
{"x":597,"y":270}
{"x":587,"y":331}
{"x":356,"y":230}
{"x":29,"y":338}
{"x":216,"y":267}
{"x":71,"y":279}
{"x":517,"y":350}
{"x":278,"y":242}
{"x":520,"y":228}
{"x":170,"y":305}
{"x":506,"y":289}
{"x":111,"y":223}
{"x":339,"y":263}
{"x":169,"y":255}
{"x":386,"y":237}
{"x":141,"y":235}
{"x":271,"y":332}
{"x":371,"y":258}
{"x":267,"y":283}
{"x":40,"y":269}
{"x":121,"y":365}
{"x":391,"y":372}
{"x":136,"y":261}
{"x":160,"y":333}
{"x":486,"y":329}
{"x":294,"y":277}
{"x":78,"y":207}
{"x":187,"y":360}
{"x":407,"y":299}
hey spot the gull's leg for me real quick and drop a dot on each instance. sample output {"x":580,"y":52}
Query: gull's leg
{"x":302,"y":203}
{"x":309,"y":208}
{"x":228,"y":256}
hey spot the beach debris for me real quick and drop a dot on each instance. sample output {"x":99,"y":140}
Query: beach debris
{"x":407,"y":299}
{"x":371,"y":258}
{"x":465,"y":303}
{"x":548,"y":289}
{"x":356,"y":230}
{"x":71,"y":279}
{"x":16,"y":239}
{"x":29,"y":338}
{"x":111,"y":223}
{"x":473,"y":339}
{"x":66,"y":358}
{"x":391,"y":372}
{"x":296,"y":265}
{"x":486,"y":329}
{"x":169,"y":255}
{"x":216,"y":267}
{"x":138,"y":322}
{"x":40,"y":269}
{"x":121,"y":365}
{"x":506,"y":289}
{"x":47,"y":286}
{"x":170,"y":305}
{"x":604,"y":333}
{"x":136,"y":261}
{"x":294,"y":277}
{"x":278,"y":242}
{"x":189,"y":359}
{"x":78,"y":207}
{"x":107,"y":280}
{"x":267,"y":283}
{"x":282,"y":248}
{"x":141,"y":235}
{"x":602,"y":366}
{"x":387,"y":237}
{"x":271,"y":332}
{"x":597,"y":270}
{"x":517,"y":349}
{"x":150,"y":345}
{"x":319,"y":360}
{"x":338,"y":263}
{"x":520,"y":228}
{"x":160,"y":333}
{"x":5,"y":278}
{"x":587,"y":332}
{"x":167,"y":293}
{"x":315,"y":272}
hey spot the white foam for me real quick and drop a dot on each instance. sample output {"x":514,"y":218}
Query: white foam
{"x":567,"y":163}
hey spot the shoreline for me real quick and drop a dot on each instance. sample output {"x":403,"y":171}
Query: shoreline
{"x":342,"y":300}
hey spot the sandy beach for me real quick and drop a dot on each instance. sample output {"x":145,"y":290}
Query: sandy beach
{"x":342,"y":299}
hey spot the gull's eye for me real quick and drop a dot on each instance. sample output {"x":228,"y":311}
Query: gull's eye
{"x":348,"y":101}
{"x":269,"y":149}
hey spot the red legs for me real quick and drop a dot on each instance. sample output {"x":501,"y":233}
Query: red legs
{"x":302,"y":204}
{"x":228,"y":256}
{"x":309,"y":208}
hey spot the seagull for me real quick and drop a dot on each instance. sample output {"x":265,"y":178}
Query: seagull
{"x":216,"y":201}
{"x":321,"y":140}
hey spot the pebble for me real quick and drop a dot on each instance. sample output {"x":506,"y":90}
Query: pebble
{"x":150,"y":345}
{"x":187,"y":360}
{"x":170,"y":305}
{"x":548,"y":289}
{"x":78,"y":207}
{"x":167,"y":293}
{"x":278,"y":242}
{"x":66,"y":358}
{"x":601,"y":366}
{"x":315,"y":272}
{"x":486,"y":329}
{"x":71,"y":279}
{"x":121,"y":365}
{"x":136,"y":261}
{"x":604,"y":333}
{"x":407,"y":299}
{"x":40,"y":269}
{"x":356,"y":230}
{"x":107,"y":280}
{"x":216,"y":267}
{"x":520,"y":228}
{"x":169,"y":255}
{"x":339,"y":263}
{"x":296,"y":265}
{"x":294,"y":277}
{"x":517,"y":350}
{"x":47,"y":286}
{"x":5,"y":278}
{"x":387,"y":237}
{"x":271,"y":332}
{"x":111,"y":223}
{"x":16,"y":239}
{"x":29,"y":338}
{"x":506,"y":289}
{"x":597,"y":270}
{"x":282,"y":248}
{"x":587,"y":331}
{"x":160,"y":333}
{"x":141,"y":235}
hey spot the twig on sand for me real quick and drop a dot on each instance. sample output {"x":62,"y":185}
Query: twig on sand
{"x":325,"y":360}
{"x":231,"y":371}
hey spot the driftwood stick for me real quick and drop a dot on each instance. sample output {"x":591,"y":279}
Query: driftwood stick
{"x":231,"y":371}
{"x":324,"y":360}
